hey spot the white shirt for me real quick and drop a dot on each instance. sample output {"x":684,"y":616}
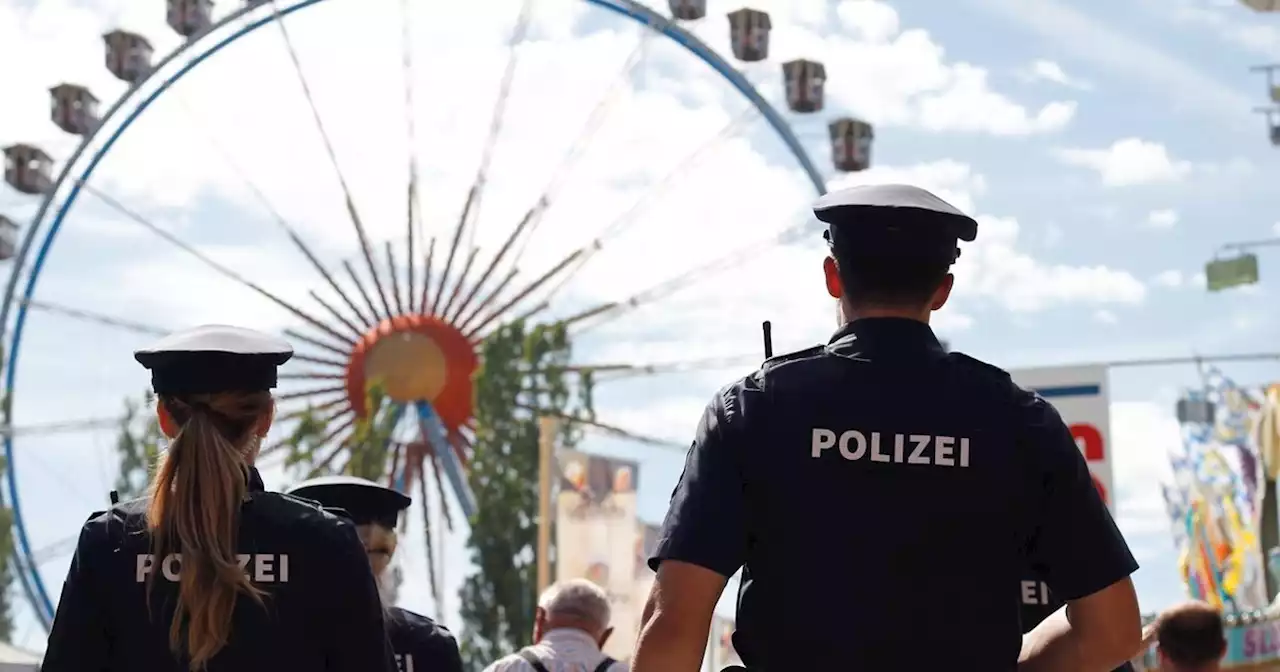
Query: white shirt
{"x":560,"y":650}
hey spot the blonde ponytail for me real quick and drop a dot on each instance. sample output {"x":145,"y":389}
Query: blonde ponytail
{"x":195,"y":509}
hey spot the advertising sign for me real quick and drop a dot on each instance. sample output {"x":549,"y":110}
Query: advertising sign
{"x":1080,"y":395}
{"x":597,"y":532}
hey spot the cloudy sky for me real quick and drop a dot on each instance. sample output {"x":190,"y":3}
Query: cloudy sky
{"x":1108,"y":151}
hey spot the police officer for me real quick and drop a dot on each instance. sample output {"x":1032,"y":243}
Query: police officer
{"x":420,"y":644}
{"x":211,"y":572}
{"x":883,"y":496}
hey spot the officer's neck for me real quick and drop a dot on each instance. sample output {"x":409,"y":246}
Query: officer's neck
{"x":850,"y":313}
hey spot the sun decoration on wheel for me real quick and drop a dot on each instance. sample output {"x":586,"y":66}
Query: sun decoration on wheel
{"x":414,"y":325}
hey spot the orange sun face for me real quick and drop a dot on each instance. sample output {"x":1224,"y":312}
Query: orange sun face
{"x":415,"y":358}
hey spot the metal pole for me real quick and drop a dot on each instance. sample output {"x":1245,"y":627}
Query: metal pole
{"x":1174,"y":361}
{"x":1265,"y":242}
{"x":547,"y":427}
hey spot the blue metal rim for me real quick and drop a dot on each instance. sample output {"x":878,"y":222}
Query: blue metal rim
{"x":34,"y":583}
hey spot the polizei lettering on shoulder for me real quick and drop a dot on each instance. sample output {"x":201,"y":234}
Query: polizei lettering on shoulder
{"x":925,"y":449}
{"x":259,"y":567}
{"x":404,"y":661}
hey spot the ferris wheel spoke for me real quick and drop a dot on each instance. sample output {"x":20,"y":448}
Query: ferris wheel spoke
{"x":426,"y":275}
{"x":62,"y":427}
{"x":521,"y":295}
{"x":395,"y":283}
{"x":493,"y":265}
{"x":337,"y":448}
{"x":614,"y":309}
{"x":98,"y":318}
{"x":294,"y":334}
{"x":311,"y":375}
{"x":303,"y":394}
{"x":412,"y":219}
{"x":603,"y":428}
{"x":223,"y":270}
{"x":368,"y":300}
{"x":462,"y":280}
{"x":352,"y":211}
{"x":487,"y":301}
{"x":55,"y":550}
{"x":646,"y":199}
{"x":355,"y":330}
{"x":536,"y":213}
{"x":471,"y":208}
{"x":283,"y":224}
{"x":610,"y":372}
{"x":317,"y":360}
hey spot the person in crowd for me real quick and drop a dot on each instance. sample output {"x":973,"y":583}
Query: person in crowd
{"x":420,"y":644}
{"x":211,"y":572}
{"x":570,"y":627}
{"x":844,"y":478}
{"x":1190,"y":638}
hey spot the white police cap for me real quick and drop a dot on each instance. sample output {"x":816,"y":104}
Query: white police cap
{"x":214,"y":358}
{"x":884,"y":212}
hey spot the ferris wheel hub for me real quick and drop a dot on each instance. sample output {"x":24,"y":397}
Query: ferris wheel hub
{"x":414,"y":358}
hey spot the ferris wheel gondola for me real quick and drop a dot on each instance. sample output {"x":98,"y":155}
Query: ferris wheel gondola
{"x":415,"y":309}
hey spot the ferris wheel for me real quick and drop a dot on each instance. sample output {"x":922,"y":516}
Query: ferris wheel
{"x":406,"y":307}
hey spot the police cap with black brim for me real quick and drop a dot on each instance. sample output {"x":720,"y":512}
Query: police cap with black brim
{"x":893,"y":220}
{"x":364,"y":501}
{"x":214,"y":358}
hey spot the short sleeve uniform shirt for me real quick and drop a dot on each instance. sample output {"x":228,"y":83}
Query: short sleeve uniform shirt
{"x":883,"y":498}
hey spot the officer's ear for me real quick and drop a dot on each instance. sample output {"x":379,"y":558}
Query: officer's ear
{"x":943,"y":292}
{"x":832,"y":272}
{"x":168,"y":425}
{"x":264,"y":423}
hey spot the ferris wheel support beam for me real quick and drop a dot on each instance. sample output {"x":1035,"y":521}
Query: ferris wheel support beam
{"x":206,"y":45}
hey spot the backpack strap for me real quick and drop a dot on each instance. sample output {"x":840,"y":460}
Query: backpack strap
{"x":605,"y":664}
{"x":533,"y":661}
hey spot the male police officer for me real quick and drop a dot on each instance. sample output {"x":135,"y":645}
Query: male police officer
{"x":884,"y":496}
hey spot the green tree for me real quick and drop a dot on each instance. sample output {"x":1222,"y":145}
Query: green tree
{"x":138,"y":446}
{"x":522,"y":377}
{"x":368,"y":448}
{"x":6,"y":571}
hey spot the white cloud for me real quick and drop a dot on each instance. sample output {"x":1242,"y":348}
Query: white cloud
{"x":1162,"y":219}
{"x":1041,"y":70}
{"x":1231,"y":23}
{"x":1275,"y":228}
{"x":1128,"y":162}
{"x":1105,"y":317}
{"x":1171,"y":278}
{"x":1096,"y":41}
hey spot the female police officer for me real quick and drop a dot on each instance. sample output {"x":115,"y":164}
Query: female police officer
{"x":420,"y":644}
{"x":210,"y":572}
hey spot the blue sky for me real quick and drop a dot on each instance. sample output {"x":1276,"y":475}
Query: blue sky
{"x":1108,"y":150}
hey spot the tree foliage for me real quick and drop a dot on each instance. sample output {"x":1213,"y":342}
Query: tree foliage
{"x":138,"y":446}
{"x":6,"y":571}
{"x":311,"y":446}
{"x":522,"y":377}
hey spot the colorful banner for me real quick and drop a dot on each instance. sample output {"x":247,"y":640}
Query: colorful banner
{"x":1215,"y":500}
{"x":1079,"y":393}
{"x":597,"y":533}
{"x":722,"y":651}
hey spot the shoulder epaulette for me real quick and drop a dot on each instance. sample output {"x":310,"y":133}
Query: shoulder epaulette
{"x":792,"y":356}
{"x":978,"y":363}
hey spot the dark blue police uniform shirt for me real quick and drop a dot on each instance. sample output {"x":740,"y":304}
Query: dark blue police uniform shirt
{"x":883,"y":498}
{"x":1036,"y":603}
{"x":421,"y":644}
{"x":322,"y":610}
